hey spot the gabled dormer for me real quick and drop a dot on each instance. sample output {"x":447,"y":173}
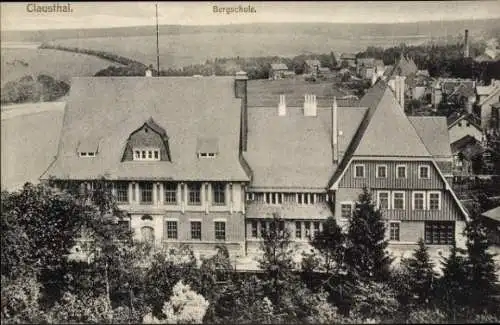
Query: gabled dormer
{"x":88,"y":147}
{"x":147,"y":143}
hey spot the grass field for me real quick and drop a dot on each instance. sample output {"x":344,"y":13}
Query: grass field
{"x":185,"y":49}
{"x":58,"y":64}
{"x":30,"y":135}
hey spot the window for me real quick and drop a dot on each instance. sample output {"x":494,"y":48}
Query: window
{"x":196,"y":230}
{"x":170,"y":193}
{"x":263,"y":228}
{"x":299,"y":198}
{"x":207,"y":155}
{"x":194,"y":197}
{"x":254,"y":229}
{"x":439,"y":232}
{"x":148,"y":234}
{"x":401,"y":171}
{"x":346,"y":210}
{"x":423,"y":172}
{"x":219,"y":194}
{"x":398,"y":200}
{"x":383,"y":200}
{"x":316,"y":228}
{"x":434,"y":201}
{"x":418,"y":201}
{"x":289,"y":197}
{"x":359,"y":171}
{"x":298,"y":229}
{"x":220,"y":230}
{"x":394,"y":231}
{"x":87,"y":154}
{"x":146,"y":193}
{"x":146,"y":154}
{"x":133,"y":192}
{"x":83,"y":154}
{"x":381,"y":171}
{"x":171,"y":229}
{"x":307,"y":225}
{"x":306,"y":198}
{"x":122,"y":192}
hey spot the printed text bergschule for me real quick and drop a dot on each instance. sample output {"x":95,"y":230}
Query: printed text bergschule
{"x":48,"y":8}
{"x":234,"y":10}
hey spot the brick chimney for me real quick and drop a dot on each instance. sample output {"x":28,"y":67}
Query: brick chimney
{"x":240,"y":91}
{"x":466,"y":44}
{"x":282,"y":106}
{"x":310,"y":105}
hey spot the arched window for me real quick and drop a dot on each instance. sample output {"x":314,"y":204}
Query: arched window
{"x":148,"y":234}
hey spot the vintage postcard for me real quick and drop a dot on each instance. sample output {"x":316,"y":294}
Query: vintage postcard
{"x":250,"y":162}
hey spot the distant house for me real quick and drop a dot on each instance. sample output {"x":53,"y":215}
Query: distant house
{"x":278,"y":71}
{"x":489,"y":107}
{"x":491,"y":218}
{"x":350,"y":58}
{"x":467,"y":156}
{"x":463,"y":125}
{"x":464,"y":94}
{"x":312,"y":66}
{"x":367,"y":67}
{"x":443,"y":88}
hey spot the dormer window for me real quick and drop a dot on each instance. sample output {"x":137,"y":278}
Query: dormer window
{"x":88,"y":147}
{"x":147,"y":143}
{"x":147,"y":154}
{"x":207,"y":147}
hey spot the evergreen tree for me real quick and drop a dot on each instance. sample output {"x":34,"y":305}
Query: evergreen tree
{"x":365,"y":255}
{"x":421,"y":275}
{"x":277,"y":261}
{"x":480,"y":267}
{"x":330,"y":243}
{"x":453,"y":291}
{"x":333,"y":60}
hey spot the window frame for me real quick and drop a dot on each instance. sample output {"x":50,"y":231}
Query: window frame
{"x":428,"y":172}
{"x":169,"y":191}
{"x":430,"y":236}
{"x":429,"y":200}
{"x":219,"y":189}
{"x":397,"y":171}
{"x":351,"y":204}
{"x":146,"y":154}
{"x":377,"y":171}
{"x":142,"y":190}
{"x":391,"y":223}
{"x":172,"y":222}
{"x":120,"y":190}
{"x":254,"y":229}
{"x":356,"y":170}
{"x":217,"y":231}
{"x":413,"y":200}
{"x":191,"y":190}
{"x":394,"y":200}
{"x":195,"y":231}
{"x":388,"y":199}
{"x":298,"y":230}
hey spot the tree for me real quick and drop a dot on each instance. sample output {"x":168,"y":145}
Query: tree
{"x":184,"y":307}
{"x":39,"y":226}
{"x":453,"y":289}
{"x":421,"y":275}
{"x":365,"y":255}
{"x":333,"y":60}
{"x":276,"y":261}
{"x":480,"y":267}
{"x":330,"y":243}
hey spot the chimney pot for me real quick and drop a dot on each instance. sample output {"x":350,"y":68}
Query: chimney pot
{"x":282,"y":106}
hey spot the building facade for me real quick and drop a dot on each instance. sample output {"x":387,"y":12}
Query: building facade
{"x":192,"y":163}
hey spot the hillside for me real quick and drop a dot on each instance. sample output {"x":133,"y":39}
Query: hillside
{"x":486,"y":27}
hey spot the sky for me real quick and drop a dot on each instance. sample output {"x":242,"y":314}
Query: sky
{"x":15,"y":16}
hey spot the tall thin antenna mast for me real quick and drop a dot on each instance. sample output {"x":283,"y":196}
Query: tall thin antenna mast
{"x":157,"y":43}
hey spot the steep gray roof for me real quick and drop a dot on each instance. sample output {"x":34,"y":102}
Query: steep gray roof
{"x":295,"y":151}
{"x":186,"y":108}
{"x":433,"y":132}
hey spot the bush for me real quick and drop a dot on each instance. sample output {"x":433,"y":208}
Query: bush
{"x":185,"y":307}
{"x":427,"y":316}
